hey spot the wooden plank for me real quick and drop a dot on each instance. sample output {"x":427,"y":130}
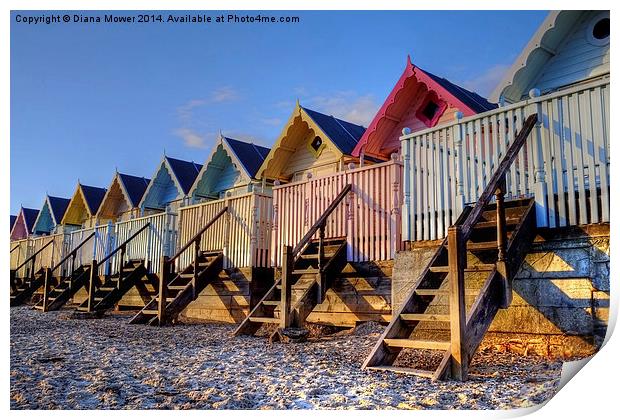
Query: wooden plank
{"x":417,"y":344}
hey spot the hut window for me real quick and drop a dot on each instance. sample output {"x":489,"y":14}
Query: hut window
{"x":598,"y":30}
{"x":430,"y":110}
{"x":316,"y":146}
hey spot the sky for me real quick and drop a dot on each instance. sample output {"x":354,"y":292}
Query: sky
{"x":89,"y":99}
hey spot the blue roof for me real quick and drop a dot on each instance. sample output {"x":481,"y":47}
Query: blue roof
{"x":135,"y":187}
{"x":250,"y":155}
{"x":30,"y":216}
{"x":474,"y":101}
{"x":93,"y":196}
{"x":58,"y":207}
{"x":343,"y":134}
{"x":13,"y":219}
{"x":185,"y":172}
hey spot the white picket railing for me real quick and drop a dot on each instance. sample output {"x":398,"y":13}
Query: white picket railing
{"x":369,"y":218}
{"x":564,"y":165}
{"x":159,"y":239}
{"x":243,"y":234}
{"x":95,"y":248}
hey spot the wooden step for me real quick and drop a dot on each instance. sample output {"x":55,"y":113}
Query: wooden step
{"x":326,"y":255}
{"x":107,"y":288}
{"x":482,"y":246}
{"x":493,"y":223}
{"x":405,"y":370}
{"x":425,"y":317}
{"x":150,"y":311}
{"x":271,"y":302}
{"x":444,"y":292}
{"x":416,"y":344}
{"x":305,"y":271}
{"x":474,"y":269}
{"x":177,"y":287}
{"x":264,"y":320}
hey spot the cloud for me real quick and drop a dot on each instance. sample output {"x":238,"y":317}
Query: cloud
{"x":487,"y":81}
{"x":224,"y":94}
{"x":347,"y":105}
{"x":186,"y":111}
{"x":191,"y":138}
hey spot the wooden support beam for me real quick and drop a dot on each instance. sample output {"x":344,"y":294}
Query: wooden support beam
{"x":456,"y":262}
{"x":91,"y":284}
{"x":285,"y":296}
{"x":502,"y":240}
{"x":163,"y":291}
{"x":46,"y":288}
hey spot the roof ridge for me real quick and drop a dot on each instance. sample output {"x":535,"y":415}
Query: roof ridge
{"x":343,"y":127}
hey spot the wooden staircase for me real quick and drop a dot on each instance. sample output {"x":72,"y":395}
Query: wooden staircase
{"x":23,"y":289}
{"x":306,"y":273}
{"x":306,"y":290}
{"x":105,"y":291}
{"x":178,"y":291}
{"x":57,"y":297}
{"x":108,"y":291}
{"x":472,"y":272}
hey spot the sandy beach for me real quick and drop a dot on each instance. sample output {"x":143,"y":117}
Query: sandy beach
{"x":62,"y":363}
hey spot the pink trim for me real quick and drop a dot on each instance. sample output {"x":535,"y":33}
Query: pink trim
{"x":419,"y":75}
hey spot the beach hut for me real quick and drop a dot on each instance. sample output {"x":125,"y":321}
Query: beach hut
{"x":83,"y":206}
{"x":122,"y":198}
{"x":516,"y":203}
{"x":229,"y":170}
{"x":24,"y":223}
{"x":231,"y":216}
{"x":50,"y":216}
{"x":419,"y":100}
{"x":170,"y":185}
{"x":311,"y":143}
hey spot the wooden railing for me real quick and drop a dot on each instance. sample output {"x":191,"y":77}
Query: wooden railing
{"x":460,"y":233}
{"x":32,"y":259}
{"x":94,"y":266}
{"x":369,"y":218}
{"x":151,"y":244}
{"x":565,"y":166}
{"x":289,"y":256}
{"x":167,"y":265}
{"x":243,"y":236}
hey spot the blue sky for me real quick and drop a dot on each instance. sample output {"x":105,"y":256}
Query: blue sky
{"x":89,"y":98}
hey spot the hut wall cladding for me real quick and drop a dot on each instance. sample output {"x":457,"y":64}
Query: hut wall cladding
{"x":51,"y":254}
{"x":569,"y":153}
{"x":97,"y":247}
{"x":159,"y":239}
{"x":369,"y":217}
{"x":21,"y":253}
{"x":243,"y":234}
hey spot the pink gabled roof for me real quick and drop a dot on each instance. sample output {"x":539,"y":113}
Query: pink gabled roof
{"x":381,"y":138}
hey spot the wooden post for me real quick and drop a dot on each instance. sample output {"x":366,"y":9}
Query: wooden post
{"x":502,"y":267}
{"x":395,"y":220}
{"x":408,"y":170}
{"x":196,"y":262}
{"x":350,"y":209}
{"x":460,"y":166}
{"x":285,"y":295}
{"x":121,"y":267}
{"x":31,"y":275}
{"x":91,"y":285}
{"x":163,"y":291}
{"x":540,"y":185}
{"x":46,"y":289}
{"x":321,"y":257}
{"x":457,"y":262}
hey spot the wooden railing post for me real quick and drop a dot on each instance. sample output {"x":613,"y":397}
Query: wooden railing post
{"x":196,"y":261}
{"x":321,"y":257}
{"x":163,"y":291}
{"x":285,"y":295}
{"x":460,"y":166}
{"x":91,"y":284}
{"x":502,"y":267}
{"x":46,"y":289}
{"x":457,"y":263}
{"x":31,"y":274}
{"x":395,"y":216}
{"x":350,"y":211}
{"x":408,"y":167}
{"x":121,"y":266}
{"x":540,"y":184}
